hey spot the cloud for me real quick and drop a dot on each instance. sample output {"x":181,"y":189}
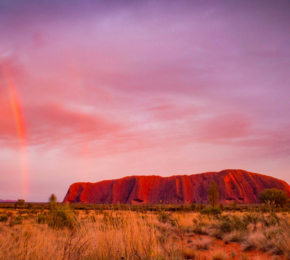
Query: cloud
{"x":110,"y":79}
{"x":225,"y":127}
{"x":56,"y":124}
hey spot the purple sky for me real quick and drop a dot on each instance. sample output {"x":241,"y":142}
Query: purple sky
{"x":94,"y":90}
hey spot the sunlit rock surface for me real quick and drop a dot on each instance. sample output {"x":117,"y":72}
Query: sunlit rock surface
{"x":234,"y":186}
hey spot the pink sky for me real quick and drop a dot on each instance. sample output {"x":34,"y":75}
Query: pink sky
{"x":94,"y":90}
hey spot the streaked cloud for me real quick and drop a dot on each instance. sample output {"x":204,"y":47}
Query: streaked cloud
{"x":105,"y":84}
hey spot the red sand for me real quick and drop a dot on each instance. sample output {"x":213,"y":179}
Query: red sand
{"x":228,"y":248}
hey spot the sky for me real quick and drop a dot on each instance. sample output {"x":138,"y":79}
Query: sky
{"x":96,"y":90}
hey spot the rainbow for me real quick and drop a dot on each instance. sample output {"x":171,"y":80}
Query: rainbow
{"x":20,"y":126}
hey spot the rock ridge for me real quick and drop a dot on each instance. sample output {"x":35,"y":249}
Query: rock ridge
{"x":234,"y":186}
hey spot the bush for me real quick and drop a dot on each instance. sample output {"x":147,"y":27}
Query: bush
{"x":213,"y":194}
{"x":235,"y":236}
{"x":21,"y":202}
{"x":164,"y":217}
{"x":226,"y":227}
{"x":234,"y":206}
{"x":211,"y":211}
{"x":16,"y":221}
{"x":264,"y":208}
{"x":29,"y":206}
{"x":278,"y":197}
{"x":193,"y":207}
{"x":202,"y":243}
{"x":3,"y":218}
{"x":41,"y":219}
{"x":61,"y":217}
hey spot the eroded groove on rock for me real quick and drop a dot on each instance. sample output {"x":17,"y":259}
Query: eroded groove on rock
{"x":234,"y":185}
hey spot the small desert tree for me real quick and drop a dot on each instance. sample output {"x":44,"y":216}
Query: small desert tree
{"x":20,"y":202}
{"x":52,"y":201}
{"x":29,"y":206}
{"x":213,"y":194}
{"x":274,"y":197}
{"x":52,"y":198}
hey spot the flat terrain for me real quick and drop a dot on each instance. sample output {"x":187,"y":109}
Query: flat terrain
{"x":64,"y":233}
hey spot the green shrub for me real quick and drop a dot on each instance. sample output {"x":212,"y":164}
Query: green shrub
{"x":41,"y":219}
{"x":211,"y":211}
{"x":234,"y":206}
{"x":193,"y":207}
{"x":58,"y":217}
{"x":3,"y":218}
{"x":164,"y":217}
{"x":16,"y":221}
{"x":21,"y":202}
{"x":61,"y":217}
{"x":278,"y":197}
{"x":213,"y":194}
{"x":29,"y":206}
{"x":226,"y":227}
{"x":264,"y":208}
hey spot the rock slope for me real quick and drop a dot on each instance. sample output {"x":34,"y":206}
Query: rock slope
{"x":234,"y":186}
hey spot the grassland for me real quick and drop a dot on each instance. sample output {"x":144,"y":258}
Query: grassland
{"x":43,"y":231}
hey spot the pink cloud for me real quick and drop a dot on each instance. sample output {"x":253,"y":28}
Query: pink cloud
{"x":55,"y":123}
{"x":225,"y":127}
{"x":179,"y":81}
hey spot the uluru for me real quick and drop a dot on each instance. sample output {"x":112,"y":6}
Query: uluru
{"x":234,"y":186}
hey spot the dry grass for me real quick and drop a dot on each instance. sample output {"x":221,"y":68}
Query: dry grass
{"x":122,"y":235}
{"x":235,"y":236}
{"x":104,"y":235}
{"x":202,"y":243}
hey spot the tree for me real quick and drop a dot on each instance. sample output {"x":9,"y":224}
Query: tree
{"x":29,"y":206}
{"x":52,"y":201}
{"x":193,"y":207}
{"x":213,"y":194}
{"x":52,"y":198}
{"x":21,"y":202}
{"x":274,"y":197}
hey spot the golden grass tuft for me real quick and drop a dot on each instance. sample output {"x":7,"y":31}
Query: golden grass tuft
{"x":202,"y":243}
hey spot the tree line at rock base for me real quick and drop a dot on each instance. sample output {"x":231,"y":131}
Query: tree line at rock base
{"x":272,"y":199}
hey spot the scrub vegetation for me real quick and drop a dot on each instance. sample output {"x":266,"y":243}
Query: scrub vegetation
{"x":156,"y":232}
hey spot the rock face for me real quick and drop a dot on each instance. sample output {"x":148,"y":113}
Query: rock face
{"x":234,"y":186}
